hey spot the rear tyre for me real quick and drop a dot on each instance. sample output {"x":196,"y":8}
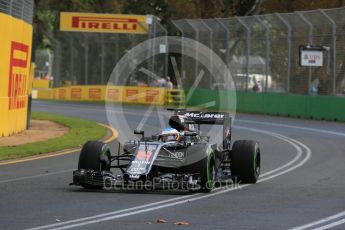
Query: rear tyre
{"x":245,"y":161}
{"x":95,"y":155}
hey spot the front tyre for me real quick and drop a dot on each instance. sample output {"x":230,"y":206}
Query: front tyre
{"x":245,"y":161}
{"x":207,"y":171}
{"x":95,"y":155}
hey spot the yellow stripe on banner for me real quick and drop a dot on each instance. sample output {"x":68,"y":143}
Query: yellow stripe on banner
{"x":17,"y":54}
{"x":127,"y":94}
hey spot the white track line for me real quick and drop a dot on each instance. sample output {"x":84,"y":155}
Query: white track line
{"x":308,"y":156}
{"x":293,"y":127}
{"x":322,"y":221}
{"x":296,"y":158}
{"x":331,"y":225}
{"x":180,"y":200}
{"x":114,"y":212}
{"x":327,"y":219}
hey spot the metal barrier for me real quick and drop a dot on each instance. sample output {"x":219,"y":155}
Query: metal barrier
{"x":126,"y":94}
{"x":121,"y":94}
{"x":291,"y":105}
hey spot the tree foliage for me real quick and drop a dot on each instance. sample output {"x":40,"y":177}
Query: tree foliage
{"x":283,"y":6}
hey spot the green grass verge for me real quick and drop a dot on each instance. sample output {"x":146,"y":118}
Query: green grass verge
{"x":80,"y":131}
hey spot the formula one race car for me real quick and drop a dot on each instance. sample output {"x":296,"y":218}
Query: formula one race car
{"x":180,"y":157}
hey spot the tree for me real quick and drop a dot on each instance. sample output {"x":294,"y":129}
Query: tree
{"x":283,"y":6}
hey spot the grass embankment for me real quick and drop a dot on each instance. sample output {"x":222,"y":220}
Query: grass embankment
{"x":80,"y":131}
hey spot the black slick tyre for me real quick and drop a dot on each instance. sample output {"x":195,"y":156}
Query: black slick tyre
{"x":95,"y":155}
{"x":245,"y":161}
{"x":207,"y":171}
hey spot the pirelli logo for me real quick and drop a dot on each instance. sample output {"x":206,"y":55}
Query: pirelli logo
{"x":128,"y":24}
{"x":103,"y":23}
{"x":18,"y":75}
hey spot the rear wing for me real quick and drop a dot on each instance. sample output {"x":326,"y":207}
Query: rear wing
{"x":211,"y":118}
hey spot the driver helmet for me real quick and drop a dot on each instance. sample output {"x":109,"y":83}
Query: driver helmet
{"x":170,"y":134}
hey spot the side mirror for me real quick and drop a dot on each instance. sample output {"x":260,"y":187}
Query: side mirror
{"x":139,"y":132}
{"x":190,"y":134}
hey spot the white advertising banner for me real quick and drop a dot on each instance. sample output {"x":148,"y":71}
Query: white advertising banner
{"x":311,"y":58}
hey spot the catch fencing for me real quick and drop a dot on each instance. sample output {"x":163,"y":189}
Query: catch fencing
{"x":264,"y":49}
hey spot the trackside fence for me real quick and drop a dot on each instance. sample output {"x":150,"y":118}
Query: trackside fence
{"x":265,"y":49}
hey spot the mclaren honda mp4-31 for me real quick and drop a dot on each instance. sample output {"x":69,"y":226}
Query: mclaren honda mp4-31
{"x":180,"y":157}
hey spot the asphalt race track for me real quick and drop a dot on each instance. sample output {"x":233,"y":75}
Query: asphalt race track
{"x":302,"y":184}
